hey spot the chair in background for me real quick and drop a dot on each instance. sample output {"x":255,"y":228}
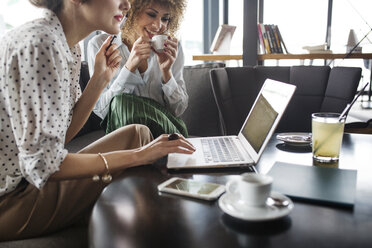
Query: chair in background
{"x":319,"y":89}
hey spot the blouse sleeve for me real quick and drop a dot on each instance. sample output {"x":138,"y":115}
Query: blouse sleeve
{"x":174,"y":90}
{"x":39,"y":103}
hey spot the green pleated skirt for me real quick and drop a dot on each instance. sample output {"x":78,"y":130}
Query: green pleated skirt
{"x":128,"y":109}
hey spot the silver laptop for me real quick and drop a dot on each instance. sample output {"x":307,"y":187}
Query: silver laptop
{"x":246,"y":148}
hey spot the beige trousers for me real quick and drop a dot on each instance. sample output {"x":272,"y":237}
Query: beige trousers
{"x":28,"y":212}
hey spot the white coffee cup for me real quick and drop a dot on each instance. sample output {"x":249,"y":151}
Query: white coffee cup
{"x":251,"y":188}
{"x":158,"y":41}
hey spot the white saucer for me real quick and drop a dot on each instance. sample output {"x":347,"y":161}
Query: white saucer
{"x":238,"y":209}
{"x":295,"y":139}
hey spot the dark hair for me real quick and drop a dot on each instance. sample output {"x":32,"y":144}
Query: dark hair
{"x":54,"y":5}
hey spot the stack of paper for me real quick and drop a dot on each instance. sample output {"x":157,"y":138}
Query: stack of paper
{"x":317,"y":48}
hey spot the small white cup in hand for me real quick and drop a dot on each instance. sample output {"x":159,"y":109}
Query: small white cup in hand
{"x":158,"y":41}
{"x":250,"y":188}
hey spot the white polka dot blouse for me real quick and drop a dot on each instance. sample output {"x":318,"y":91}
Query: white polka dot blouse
{"x":39,"y":86}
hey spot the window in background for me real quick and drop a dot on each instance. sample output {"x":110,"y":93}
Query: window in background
{"x":16,"y":12}
{"x":356,"y":15}
{"x":301,"y":23}
{"x":191,"y":31}
{"x":347,"y":15}
{"x":236,"y":19}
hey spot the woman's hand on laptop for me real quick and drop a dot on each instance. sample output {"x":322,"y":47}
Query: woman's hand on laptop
{"x":162,"y":146}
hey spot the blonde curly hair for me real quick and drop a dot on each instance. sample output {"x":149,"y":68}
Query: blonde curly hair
{"x":176,"y":9}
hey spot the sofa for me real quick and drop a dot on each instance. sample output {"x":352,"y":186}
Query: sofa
{"x":319,"y":89}
{"x":203,"y":117}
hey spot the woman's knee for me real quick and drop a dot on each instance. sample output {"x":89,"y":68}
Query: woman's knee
{"x":144,"y":133}
{"x":138,"y":131}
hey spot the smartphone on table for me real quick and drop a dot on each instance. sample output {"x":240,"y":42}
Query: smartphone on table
{"x":192,"y":188}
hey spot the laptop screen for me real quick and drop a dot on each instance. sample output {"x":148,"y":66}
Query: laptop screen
{"x":259,"y":123}
{"x":265,"y":114}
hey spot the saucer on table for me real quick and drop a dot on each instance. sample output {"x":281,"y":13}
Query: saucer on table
{"x":236,"y":208}
{"x":295,"y":139}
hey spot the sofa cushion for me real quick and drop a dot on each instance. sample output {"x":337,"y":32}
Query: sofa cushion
{"x":311,"y":82}
{"x":201,"y":116}
{"x":339,"y":91}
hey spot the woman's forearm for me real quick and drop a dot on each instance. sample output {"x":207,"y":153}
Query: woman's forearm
{"x":79,"y":165}
{"x":166,"y":75}
{"x":84,"y":106}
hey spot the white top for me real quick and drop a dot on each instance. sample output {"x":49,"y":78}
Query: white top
{"x":172,"y":95}
{"x":39,"y":85}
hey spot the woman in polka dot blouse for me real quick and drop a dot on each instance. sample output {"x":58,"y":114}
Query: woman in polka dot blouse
{"x":43,"y":188}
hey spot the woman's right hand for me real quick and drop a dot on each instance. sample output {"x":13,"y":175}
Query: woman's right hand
{"x":140,"y":51}
{"x":162,"y":146}
{"x":107,"y":62}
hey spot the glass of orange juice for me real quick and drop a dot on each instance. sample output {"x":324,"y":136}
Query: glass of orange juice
{"x":327,"y":132}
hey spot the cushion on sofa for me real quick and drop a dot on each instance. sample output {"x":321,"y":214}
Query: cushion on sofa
{"x":201,"y":116}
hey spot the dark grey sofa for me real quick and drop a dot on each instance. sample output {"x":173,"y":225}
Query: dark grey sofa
{"x":202,"y":119}
{"x":319,"y":89}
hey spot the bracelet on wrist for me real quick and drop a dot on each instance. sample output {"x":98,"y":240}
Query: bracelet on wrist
{"x":106,"y":177}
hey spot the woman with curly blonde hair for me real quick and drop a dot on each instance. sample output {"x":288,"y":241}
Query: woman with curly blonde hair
{"x":149,"y":89}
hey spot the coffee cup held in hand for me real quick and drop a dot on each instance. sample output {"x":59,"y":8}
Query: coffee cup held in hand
{"x":251,"y":189}
{"x":158,"y":41}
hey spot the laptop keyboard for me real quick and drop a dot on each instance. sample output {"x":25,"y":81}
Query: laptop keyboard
{"x":221,"y":149}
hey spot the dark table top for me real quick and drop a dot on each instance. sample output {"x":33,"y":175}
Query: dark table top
{"x":131,"y":213}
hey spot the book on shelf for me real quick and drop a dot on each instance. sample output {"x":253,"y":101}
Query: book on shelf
{"x":277,"y":38}
{"x":264,"y":38}
{"x":281,"y":40}
{"x":261,"y":41}
{"x":270,"y":39}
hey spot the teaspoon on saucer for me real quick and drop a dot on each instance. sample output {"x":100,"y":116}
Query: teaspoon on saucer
{"x":273,"y":201}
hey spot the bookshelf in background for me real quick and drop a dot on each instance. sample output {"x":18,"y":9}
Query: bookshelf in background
{"x":270,"y":39}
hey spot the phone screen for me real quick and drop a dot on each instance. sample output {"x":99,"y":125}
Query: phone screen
{"x":193,"y":187}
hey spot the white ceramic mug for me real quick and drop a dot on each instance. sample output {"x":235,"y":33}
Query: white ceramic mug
{"x":158,"y":42}
{"x":251,"y":188}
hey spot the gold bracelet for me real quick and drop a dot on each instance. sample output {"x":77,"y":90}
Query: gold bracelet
{"x":106,"y":177}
